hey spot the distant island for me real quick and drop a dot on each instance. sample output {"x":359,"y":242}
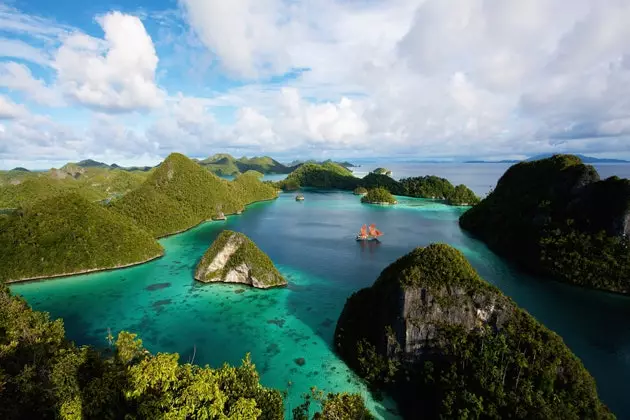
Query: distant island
{"x":585,"y":159}
{"x":223,"y":164}
{"x":334,"y":176}
{"x":555,"y":217}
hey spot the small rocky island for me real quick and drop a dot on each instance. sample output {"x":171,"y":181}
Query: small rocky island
{"x":447,"y":344}
{"x":234,"y":258}
{"x":379,"y":195}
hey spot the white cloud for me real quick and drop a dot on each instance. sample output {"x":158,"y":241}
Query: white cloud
{"x":116,"y":73}
{"x":18,"y":77}
{"x":10,"y":110}
{"x":415,"y":77}
{"x":14,"y":48}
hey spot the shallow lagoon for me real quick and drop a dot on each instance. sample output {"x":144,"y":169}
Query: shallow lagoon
{"x":312,"y":242}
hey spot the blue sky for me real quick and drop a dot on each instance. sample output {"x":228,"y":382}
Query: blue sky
{"x":131,"y":81}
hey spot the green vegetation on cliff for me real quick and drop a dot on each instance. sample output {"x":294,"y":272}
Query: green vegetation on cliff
{"x":555,"y":217}
{"x":180,"y":194}
{"x":378,"y":196}
{"x":234,"y":258}
{"x":68,"y":234}
{"x":45,"y":376}
{"x":449,"y":345}
{"x":439,"y":188}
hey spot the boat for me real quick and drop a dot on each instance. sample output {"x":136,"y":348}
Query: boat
{"x":299,"y":197}
{"x":369,"y":234}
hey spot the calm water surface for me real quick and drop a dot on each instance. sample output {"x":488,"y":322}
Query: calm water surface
{"x":312,"y":242}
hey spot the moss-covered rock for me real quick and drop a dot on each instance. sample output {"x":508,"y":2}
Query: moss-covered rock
{"x":555,"y":217}
{"x":449,"y":345}
{"x":234,"y":258}
{"x":66,"y":235}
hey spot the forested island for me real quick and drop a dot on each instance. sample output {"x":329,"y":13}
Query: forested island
{"x":447,"y":344}
{"x":378,"y":195}
{"x":333,"y":176}
{"x":555,"y":217}
{"x":234,"y":258}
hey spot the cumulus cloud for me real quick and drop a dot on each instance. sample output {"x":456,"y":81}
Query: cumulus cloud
{"x":18,"y":77}
{"x":116,"y":73}
{"x":9,"y":110}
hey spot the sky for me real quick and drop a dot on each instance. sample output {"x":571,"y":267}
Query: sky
{"x":130,"y":81}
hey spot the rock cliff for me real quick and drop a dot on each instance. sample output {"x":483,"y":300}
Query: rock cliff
{"x":234,"y":258}
{"x":556,"y":217}
{"x":444,"y":343}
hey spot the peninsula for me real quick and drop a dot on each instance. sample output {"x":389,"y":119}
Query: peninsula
{"x":234,"y":258}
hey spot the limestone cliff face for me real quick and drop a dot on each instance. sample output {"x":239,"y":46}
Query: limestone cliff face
{"x":234,"y":258}
{"x":401,"y":314}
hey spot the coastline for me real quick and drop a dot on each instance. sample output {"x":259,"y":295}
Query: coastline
{"x":88,"y":271}
{"x":212,"y":220}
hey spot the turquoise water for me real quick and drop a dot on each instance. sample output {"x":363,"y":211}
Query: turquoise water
{"x":312,"y":242}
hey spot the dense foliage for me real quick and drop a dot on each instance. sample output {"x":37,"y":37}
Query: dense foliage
{"x":180,"y":194}
{"x":360,"y":191}
{"x":378,"y":196}
{"x":247,"y":253}
{"x":22,"y":188}
{"x":327,"y":175}
{"x":439,"y":188}
{"x":44,"y":376}
{"x":447,"y":344}
{"x":342,"y":406}
{"x":555,"y":217}
{"x":334,"y":176}
{"x":68,"y":234}
{"x":224,"y":164}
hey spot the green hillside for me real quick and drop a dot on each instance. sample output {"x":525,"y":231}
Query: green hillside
{"x":326,"y":175}
{"x":69,"y":234}
{"x":180,"y":194}
{"x":93,"y":183}
{"x":557,"y":218}
{"x":224,"y":164}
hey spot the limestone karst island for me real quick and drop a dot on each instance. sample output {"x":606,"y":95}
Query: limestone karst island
{"x":314,"y":210}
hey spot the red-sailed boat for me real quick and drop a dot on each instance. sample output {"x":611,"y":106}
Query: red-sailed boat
{"x":369,"y":234}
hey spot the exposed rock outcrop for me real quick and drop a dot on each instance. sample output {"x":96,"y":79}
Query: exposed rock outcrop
{"x":444,"y":342}
{"x":234,"y":258}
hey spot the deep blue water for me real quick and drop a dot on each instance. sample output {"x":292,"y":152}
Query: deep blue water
{"x":312,"y":242}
